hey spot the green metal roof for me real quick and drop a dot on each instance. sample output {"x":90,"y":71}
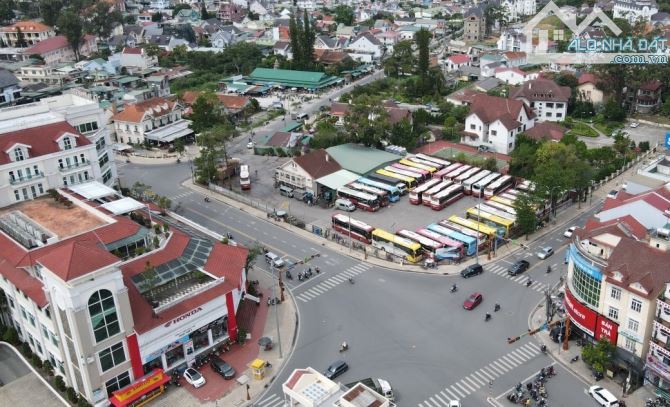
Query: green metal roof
{"x":127,"y":79}
{"x":360,"y":159}
{"x":290,"y":126}
{"x":290,"y":78}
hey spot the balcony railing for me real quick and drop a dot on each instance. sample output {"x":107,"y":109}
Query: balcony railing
{"x":588,"y":256}
{"x":20,"y":180}
{"x":660,"y":342}
{"x":66,"y":168}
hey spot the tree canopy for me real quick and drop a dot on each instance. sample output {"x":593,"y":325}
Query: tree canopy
{"x":344,"y":15}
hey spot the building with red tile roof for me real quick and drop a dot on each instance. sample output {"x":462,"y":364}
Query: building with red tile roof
{"x":547,"y":131}
{"x":457,"y":61}
{"x":587,"y":88}
{"x":32,"y":32}
{"x":157,"y":119}
{"x":548,"y":100}
{"x":54,"y":50}
{"x":651,"y":208}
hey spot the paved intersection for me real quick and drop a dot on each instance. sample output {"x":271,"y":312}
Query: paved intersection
{"x":332,"y":282}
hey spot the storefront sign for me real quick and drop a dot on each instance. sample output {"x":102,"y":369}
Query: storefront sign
{"x":141,"y":386}
{"x":607,"y":329}
{"x":183,"y":316}
{"x":580,"y":315}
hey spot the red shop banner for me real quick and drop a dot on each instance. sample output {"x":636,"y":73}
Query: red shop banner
{"x":580,"y":314}
{"x":608,"y":329}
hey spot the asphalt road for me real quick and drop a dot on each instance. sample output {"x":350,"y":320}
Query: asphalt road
{"x":11,"y":367}
{"x":404,"y":327}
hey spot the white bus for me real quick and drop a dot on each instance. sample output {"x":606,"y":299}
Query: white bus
{"x":466,"y":175}
{"x":245,"y":182}
{"x":495,"y":211}
{"x":458,"y":171}
{"x":501,"y":184}
{"x":526,"y":186}
{"x":502,"y":207}
{"x":415,"y":195}
{"x":446,"y":197}
{"x":479,"y":187}
{"x":468,"y":183}
{"x":443,"y":163}
{"x":426,"y":196}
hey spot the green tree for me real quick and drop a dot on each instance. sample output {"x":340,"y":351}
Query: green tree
{"x":613,"y":111}
{"x":50,"y":11}
{"x":491,"y":164}
{"x":204,"y":15}
{"x":402,"y":135}
{"x":308,"y":39}
{"x":526,"y":219}
{"x":423,"y":44}
{"x":101,"y":21}
{"x":403,"y":54}
{"x":344,"y":15}
{"x":7,"y":11}
{"x":598,"y":356}
{"x":522,"y":163}
{"x":157,"y":17}
{"x":213,"y":151}
{"x":179,"y":146}
{"x":152,"y":50}
{"x":71,"y":26}
{"x":295,"y":36}
{"x":179,"y":7}
{"x":621,"y":143}
{"x":206,"y":112}
{"x":665,"y":109}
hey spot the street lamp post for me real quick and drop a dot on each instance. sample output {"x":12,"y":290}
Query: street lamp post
{"x":551,"y":199}
{"x":274,"y":295}
{"x":479,"y":201}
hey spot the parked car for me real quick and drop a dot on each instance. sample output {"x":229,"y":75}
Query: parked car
{"x":545,"y":252}
{"x":634,"y":124}
{"x":194,"y":378}
{"x":472,"y":270}
{"x":603,"y":396}
{"x":568,"y":233}
{"x":612,"y":194}
{"x":221,"y":367}
{"x":250,"y":144}
{"x":336,"y":369}
{"x":483,"y":148}
{"x":473,"y":300}
{"x":518,"y":267}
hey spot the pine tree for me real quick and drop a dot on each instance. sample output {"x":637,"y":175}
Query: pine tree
{"x":308,"y":41}
{"x":296,"y":44}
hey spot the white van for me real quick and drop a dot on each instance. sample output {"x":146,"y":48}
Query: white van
{"x":286,"y":191}
{"x":345,"y":205}
{"x":274,"y":260}
{"x":302,"y":117}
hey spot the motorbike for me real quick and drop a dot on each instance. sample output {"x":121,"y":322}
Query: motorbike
{"x":487,"y":316}
{"x":206,"y":199}
{"x":598,"y":375}
{"x":573,"y":360}
{"x":543,"y":348}
{"x":548,"y":269}
{"x":273,"y":301}
{"x":308,"y":273}
{"x":453,"y":288}
{"x":289,"y":275}
{"x":529,"y":282}
{"x":300,"y":277}
{"x":496,"y":308}
{"x":344,"y":346}
{"x":317,"y":270}
{"x":351,"y":280}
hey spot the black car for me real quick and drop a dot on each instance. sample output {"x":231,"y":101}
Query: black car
{"x":336,"y":369}
{"x":472,"y":270}
{"x":222,"y":368}
{"x":518,"y":267}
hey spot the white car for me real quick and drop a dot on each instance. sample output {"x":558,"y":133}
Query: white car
{"x":250,"y":144}
{"x":194,"y":377}
{"x":634,"y":124}
{"x":568,"y":233}
{"x":545,"y":252}
{"x":603,"y":396}
{"x":454,"y":403}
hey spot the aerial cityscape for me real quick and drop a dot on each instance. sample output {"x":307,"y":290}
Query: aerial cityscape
{"x":334,"y":203}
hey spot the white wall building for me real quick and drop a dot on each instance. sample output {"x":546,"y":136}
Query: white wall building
{"x":517,"y":8}
{"x":634,"y":10}
{"x":548,"y":100}
{"x":158,"y":119}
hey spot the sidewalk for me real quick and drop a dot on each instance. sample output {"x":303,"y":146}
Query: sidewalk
{"x":219,"y":392}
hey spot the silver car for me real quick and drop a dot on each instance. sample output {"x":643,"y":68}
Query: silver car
{"x":545,"y":252}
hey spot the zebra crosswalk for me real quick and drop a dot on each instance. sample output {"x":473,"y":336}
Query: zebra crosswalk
{"x":483,"y":377}
{"x":272,"y":400}
{"x":332,"y":282}
{"x":520,"y":279}
{"x":182,"y":195}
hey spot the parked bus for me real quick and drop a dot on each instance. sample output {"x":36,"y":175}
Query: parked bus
{"x":351,"y":227}
{"x":498,"y":186}
{"x":430,"y":158}
{"x":393,"y":191}
{"x":526,"y":186}
{"x":446,"y":197}
{"x":383,"y":195}
{"x":495,"y":211}
{"x":508,"y":196}
{"x":431,"y":248}
{"x":383,"y":179}
{"x":446,"y":170}
{"x":504,"y":201}
{"x":472,"y":225}
{"x":426,"y":197}
{"x":363,"y":200}
{"x":503,"y":225}
{"x":458,"y":171}
{"x":479,"y":187}
{"x":501,"y":207}
{"x":481,"y":237}
{"x":396,"y":245}
{"x":245,"y":182}
{"x":409,"y":182}
{"x":407,"y":173}
{"x":468,"y":183}
{"x":425,"y":175}
{"x":415,"y":195}
{"x":454,"y":245}
{"x":424,"y":165}
{"x":469,"y":242}
{"x":467,"y":175}
{"x":513,"y":191}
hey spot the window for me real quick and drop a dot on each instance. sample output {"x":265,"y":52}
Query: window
{"x":23,"y":312}
{"x":585,"y":287}
{"x":67,"y":143}
{"x":633,"y":325}
{"x":560,"y":105}
{"x":38,"y":347}
{"x":549,"y":104}
{"x":613,"y":313}
{"x":11,"y":302}
{"x":106,"y":176}
{"x":112,"y":356}
{"x":615,"y":293}
{"x":118,"y":382}
{"x":549,"y":114}
{"x":636,"y":305}
{"x":45,"y":331}
{"x":629,"y":344}
{"x":31,"y":317}
{"x":103,"y":160}
{"x":494,"y":133}
{"x":54,"y":339}
{"x":17,"y":195}
{"x":104,"y":319}
{"x":18,"y":154}
{"x":473,"y":127}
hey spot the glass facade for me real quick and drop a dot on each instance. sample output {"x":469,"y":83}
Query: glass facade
{"x":586,"y":286}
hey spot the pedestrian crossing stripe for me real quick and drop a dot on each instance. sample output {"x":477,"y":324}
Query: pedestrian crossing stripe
{"x":482,"y":377}
{"x":520,"y":279}
{"x":332,"y":282}
{"x":271,"y":401}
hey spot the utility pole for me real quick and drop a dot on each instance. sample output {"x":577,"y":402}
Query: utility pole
{"x":274,"y":295}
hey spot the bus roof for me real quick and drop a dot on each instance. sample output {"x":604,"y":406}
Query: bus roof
{"x":475,"y":178}
{"x":416,"y":170}
{"x":487,"y":180}
{"x":418,"y":163}
{"x":346,"y":219}
{"x":407,"y":173}
{"x":380,"y":184}
{"x":426,"y":185}
{"x":500,"y":181}
{"x":368,"y":188}
{"x":439,"y":238}
{"x":451,"y":233}
{"x":473,"y":224}
{"x":503,"y":201}
{"x":396,"y":239}
{"x":436,"y":160}
{"x":467,"y":174}
{"x":496,"y":211}
{"x":438,"y":187}
{"x":491,"y":217}
{"x":395,"y":175}
{"x":423,"y":240}
{"x":463,"y":229}
{"x":358,"y":194}
{"x":447,"y":191}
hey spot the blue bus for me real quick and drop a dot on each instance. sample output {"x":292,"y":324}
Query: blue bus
{"x":469,"y":242}
{"x":394,"y":192}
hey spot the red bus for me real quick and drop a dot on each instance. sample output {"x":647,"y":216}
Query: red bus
{"x":351,"y":227}
{"x":446,"y":170}
{"x":458,"y":171}
{"x":498,"y":186}
{"x":363,"y":200}
{"x":383,"y":195}
{"x":425,"y":174}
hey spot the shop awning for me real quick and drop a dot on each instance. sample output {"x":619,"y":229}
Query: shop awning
{"x":171,"y":132}
{"x":92,"y":190}
{"x":123,"y":205}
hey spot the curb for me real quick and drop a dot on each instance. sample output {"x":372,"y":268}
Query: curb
{"x":23,"y":359}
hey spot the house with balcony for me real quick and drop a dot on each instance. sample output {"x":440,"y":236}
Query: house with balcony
{"x":365,"y":48}
{"x":31,"y":31}
{"x":648,"y":97}
{"x":650,"y":208}
{"x":657,"y":362}
{"x":495,"y":122}
{"x":548,"y":100}
{"x":587,"y":89}
{"x":157,"y":120}
{"x":615,"y":275}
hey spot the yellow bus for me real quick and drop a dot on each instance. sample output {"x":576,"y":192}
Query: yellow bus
{"x":415,"y":164}
{"x":503,"y":225}
{"x":396,"y":245}
{"x":473,"y":224}
{"x":409,"y":182}
{"x":503,"y":201}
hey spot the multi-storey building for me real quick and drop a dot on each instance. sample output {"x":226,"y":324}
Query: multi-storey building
{"x":108,"y":298}
{"x":57,"y":49}
{"x":158,"y":120}
{"x":56,"y":142}
{"x":615,"y":275}
{"x":548,"y":100}
{"x":31,"y":31}
{"x":515,"y":9}
{"x":475,"y":24}
{"x":634,"y":10}
{"x":657,"y":362}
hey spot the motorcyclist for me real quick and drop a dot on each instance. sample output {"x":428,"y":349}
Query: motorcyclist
{"x":496,"y":308}
{"x":487,"y":316}
{"x":454,"y":288}
{"x":344,"y":346}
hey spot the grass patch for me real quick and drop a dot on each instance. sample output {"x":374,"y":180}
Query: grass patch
{"x":582,"y":130}
{"x":607,"y":128}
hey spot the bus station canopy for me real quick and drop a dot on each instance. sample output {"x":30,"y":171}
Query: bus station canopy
{"x":337,"y":179}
